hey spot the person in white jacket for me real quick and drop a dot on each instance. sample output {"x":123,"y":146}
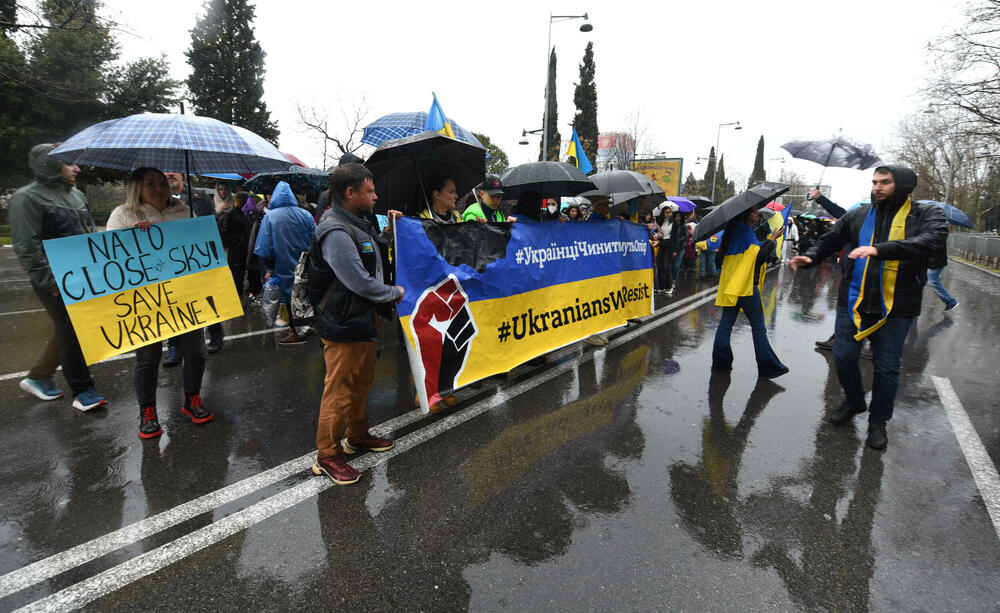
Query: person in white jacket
{"x":148,"y":201}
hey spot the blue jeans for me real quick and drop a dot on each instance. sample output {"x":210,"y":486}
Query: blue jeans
{"x":708,"y":264}
{"x":887,"y":349}
{"x":934,"y":280}
{"x":768,"y":364}
{"x":676,"y":263}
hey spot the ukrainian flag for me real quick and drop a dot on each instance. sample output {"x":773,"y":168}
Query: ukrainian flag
{"x":776,"y":221}
{"x":738,"y":263}
{"x":575,"y":150}
{"x":437,"y":121}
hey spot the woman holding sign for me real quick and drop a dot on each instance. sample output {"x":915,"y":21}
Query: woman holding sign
{"x":148,"y":201}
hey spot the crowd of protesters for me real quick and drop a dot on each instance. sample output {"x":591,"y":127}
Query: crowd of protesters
{"x":264,"y":235}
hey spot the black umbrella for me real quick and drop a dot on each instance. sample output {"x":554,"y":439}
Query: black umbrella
{"x":301,"y":180}
{"x":701,"y":202}
{"x":402,"y":168}
{"x":548,"y":179}
{"x":620,"y":185}
{"x":753,"y":198}
{"x":765,"y":212}
{"x":841,"y":152}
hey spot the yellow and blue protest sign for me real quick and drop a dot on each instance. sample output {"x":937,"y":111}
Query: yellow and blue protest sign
{"x":128,"y":288}
{"x":482,"y":298}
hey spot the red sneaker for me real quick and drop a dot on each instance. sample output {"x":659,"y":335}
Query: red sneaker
{"x":369,"y":443}
{"x":149,"y":426}
{"x":337,"y":468}
{"x":195,"y":410}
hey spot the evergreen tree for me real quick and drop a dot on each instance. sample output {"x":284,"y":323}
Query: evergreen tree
{"x":692,"y":187}
{"x":498,"y":161}
{"x":585,"y":99}
{"x":724,"y":188}
{"x":143,"y":86}
{"x":227,"y":68}
{"x":709,"y":170}
{"x":555,"y":139}
{"x":758,"y":175}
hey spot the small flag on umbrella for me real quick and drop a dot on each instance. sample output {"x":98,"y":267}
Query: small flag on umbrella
{"x":575,"y":151}
{"x":437,"y":121}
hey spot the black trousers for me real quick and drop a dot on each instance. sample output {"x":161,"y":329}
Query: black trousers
{"x":147,"y":366}
{"x":62,"y":348}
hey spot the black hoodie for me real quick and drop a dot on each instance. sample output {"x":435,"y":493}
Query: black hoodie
{"x":926,"y":232}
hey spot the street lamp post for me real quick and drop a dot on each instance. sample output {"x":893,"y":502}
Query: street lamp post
{"x":586,"y":27}
{"x":777,"y":159}
{"x":718,"y":133}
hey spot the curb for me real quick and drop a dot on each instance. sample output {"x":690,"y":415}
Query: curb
{"x":971,"y":265}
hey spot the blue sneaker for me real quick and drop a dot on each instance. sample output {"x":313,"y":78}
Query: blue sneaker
{"x":89,"y":399}
{"x":44,"y":389}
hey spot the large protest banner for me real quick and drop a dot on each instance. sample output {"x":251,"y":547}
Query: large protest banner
{"x":483,"y":298}
{"x":128,"y":288}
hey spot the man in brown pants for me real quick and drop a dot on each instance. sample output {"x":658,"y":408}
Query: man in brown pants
{"x":345,"y":284}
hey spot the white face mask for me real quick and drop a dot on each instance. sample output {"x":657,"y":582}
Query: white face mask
{"x":552,"y":209}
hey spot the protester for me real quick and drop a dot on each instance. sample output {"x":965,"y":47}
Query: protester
{"x":234,"y":230}
{"x":147,"y":202}
{"x":573,"y":213}
{"x":51,"y":207}
{"x":881,"y":288}
{"x":346,"y":319}
{"x":323,"y":202}
{"x":664,"y":253}
{"x":600,"y":209}
{"x":223,"y":199}
{"x":675,"y":243}
{"x":254,"y":212}
{"x":203,"y":199}
{"x":935,"y":266}
{"x":488,"y":207}
{"x":285,"y":233}
{"x":442,"y":198}
{"x":739,"y":289}
{"x":690,"y":253}
{"x":791,"y":239}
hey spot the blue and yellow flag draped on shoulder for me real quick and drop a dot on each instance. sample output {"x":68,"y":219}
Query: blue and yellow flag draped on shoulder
{"x":738,"y":262}
{"x":437,"y":121}
{"x":885,"y":269}
{"x":575,"y":151}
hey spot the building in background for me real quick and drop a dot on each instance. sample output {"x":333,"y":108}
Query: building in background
{"x":615,"y":151}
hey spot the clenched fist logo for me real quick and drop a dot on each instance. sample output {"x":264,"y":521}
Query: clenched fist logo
{"x":443,"y":327}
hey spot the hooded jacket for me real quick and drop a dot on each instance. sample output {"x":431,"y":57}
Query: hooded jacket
{"x":46,"y":208}
{"x":926,"y":232}
{"x":285,"y":232}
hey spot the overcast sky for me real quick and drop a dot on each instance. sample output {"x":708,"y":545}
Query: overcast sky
{"x":783,"y":69}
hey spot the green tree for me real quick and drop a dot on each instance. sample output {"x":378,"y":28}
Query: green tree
{"x":692,"y":186}
{"x":555,"y":139}
{"x":227,"y":68}
{"x":709,"y":169}
{"x":140,"y":87}
{"x":724,"y":188}
{"x":585,"y":99}
{"x":758,"y":175}
{"x":498,"y":161}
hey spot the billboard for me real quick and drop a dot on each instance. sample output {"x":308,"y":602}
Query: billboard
{"x":665,"y":172}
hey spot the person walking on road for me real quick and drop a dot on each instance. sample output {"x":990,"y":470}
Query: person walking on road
{"x":148,"y":201}
{"x":935,"y":266}
{"x":745,"y":257}
{"x":285,"y":232}
{"x":51,"y":207}
{"x":346,"y":284}
{"x":882,"y":281}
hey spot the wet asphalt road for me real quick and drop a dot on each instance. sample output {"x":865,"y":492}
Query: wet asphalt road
{"x":624,"y":477}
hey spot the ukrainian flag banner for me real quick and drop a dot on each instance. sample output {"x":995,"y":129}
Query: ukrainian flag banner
{"x":437,"y":121}
{"x":776,"y":221}
{"x":738,"y":263}
{"x":128,"y":288}
{"x":575,"y":151}
{"x":482,"y":298}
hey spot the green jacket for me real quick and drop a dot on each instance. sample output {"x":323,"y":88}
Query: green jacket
{"x":47,"y":208}
{"x":475,"y":211}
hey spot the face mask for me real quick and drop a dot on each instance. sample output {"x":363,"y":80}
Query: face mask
{"x":552,"y":209}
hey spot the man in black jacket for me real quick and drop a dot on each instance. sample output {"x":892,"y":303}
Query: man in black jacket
{"x":881,"y":286}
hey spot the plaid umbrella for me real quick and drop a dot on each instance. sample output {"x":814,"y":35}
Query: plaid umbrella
{"x":172,"y":143}
{"x":955,"y":215}
{"x":301,"y":180}
{"x":401,"y":125}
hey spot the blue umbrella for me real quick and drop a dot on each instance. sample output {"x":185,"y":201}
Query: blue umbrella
{"x":172,"y":143}
{"x":401,"y":125}
{"x":955,"y":215}
{"x":301,"y":180}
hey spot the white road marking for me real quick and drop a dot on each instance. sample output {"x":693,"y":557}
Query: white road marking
{"x":114,"y":578}
{"x":22,"y":312}
{"x":983,"y":469}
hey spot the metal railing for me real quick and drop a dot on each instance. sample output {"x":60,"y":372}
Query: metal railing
{"x":981,"y":249}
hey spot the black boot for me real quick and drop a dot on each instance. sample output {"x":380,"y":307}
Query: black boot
{"x":844,"y":414}
{"x":149,"y":426}
{"x":877,"y":438}
{"x":827,"y":344}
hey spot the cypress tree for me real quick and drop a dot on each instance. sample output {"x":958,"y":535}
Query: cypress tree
{"x":709,"y":169}
{"x":758,"y":173}
{"x":227,"y":68}
{"x":585,"y":99}
{"x":555,"y":140}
